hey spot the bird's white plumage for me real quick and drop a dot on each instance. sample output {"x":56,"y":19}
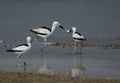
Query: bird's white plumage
{"x":45,"y":32}
{"x":77,"y":36}
{"x":20,"y":49}
{"x":42,"y":32}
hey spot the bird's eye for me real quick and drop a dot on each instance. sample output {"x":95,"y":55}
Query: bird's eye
{"x":57,"y":24}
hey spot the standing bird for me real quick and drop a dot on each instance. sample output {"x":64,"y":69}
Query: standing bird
{"x":20,"y":49}
{"x":45,"y":32}
{"x":76,"y":36}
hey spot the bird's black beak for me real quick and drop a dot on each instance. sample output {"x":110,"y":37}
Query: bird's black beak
{"x":30,"y":41}
{"x":70,"y":30}
{"x":61,"y":27}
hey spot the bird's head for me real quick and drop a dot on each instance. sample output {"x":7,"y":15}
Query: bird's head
{"x":73,"y":29}
{"x":29,"y":39}
{"x":57,"y":24}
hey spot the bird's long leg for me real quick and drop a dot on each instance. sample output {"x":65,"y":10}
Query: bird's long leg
{"x":24,"y":67}
{"x":18,"y":61}
{"x":41,"y":44}
{"x":74,"y":47}
{"x":74,"y":53}
{"x":81,"y":53}
{"x":45,"y":40}
{"x":24,"y":64}
{"x":81,"y":50}
{"x":18,"y":56}
{"x":42,"y":47}
{"x":81,"y":47}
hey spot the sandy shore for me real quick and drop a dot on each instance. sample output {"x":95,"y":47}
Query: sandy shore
{"x":12,"y":77}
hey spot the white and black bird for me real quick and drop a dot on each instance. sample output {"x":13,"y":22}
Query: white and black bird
{"x":77,"y":37}
{"x":20,"y":49}
{"x":45,"y":32}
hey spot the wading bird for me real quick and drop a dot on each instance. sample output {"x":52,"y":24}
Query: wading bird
{"x":77,"y":37}
{"x":45,"y":32}
{"x":20,"y":49}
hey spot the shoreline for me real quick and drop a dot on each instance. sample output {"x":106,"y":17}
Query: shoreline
{"x":79,"y":44}
{"x":14,"y":77}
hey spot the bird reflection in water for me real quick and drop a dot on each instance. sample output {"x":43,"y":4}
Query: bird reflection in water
{"x":44,"y":69}
{"x":78,"y":68}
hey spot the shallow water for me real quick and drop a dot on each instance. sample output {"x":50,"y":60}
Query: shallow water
{"x":97,"y":20}
{"x":93,"y":62}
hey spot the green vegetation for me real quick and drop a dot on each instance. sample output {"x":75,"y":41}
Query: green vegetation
{"x":13,"y":77}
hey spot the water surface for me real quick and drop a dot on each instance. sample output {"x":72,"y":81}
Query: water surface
{"x":97,"y":20}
